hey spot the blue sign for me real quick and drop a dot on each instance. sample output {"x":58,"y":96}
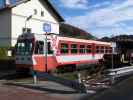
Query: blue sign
{"x":46,"y":27}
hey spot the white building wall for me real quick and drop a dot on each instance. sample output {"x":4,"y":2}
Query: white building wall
{"x":5,"y":28}
{"x":22,"y":11}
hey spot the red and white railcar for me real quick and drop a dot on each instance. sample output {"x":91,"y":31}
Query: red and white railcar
{"x":31,"y":51}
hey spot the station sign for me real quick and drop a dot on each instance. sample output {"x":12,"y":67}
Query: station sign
{"x":47,"y":27}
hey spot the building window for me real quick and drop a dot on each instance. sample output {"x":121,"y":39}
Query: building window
{"x":35,"y":11}
{"x":74,"y":48}
{"x":64,"y":48}
{"x":42,"y":13}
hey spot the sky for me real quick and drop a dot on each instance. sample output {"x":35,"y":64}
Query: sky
{"x":98,"y":17}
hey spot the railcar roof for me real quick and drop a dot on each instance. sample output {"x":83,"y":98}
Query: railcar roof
{"x":68,"y":39}
{"x":82,"y":40}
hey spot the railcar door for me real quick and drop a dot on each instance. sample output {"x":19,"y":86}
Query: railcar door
{"x":44,"y":57}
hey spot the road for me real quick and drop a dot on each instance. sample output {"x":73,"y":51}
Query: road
{"x":52,"y":91}
{"x":122,"y":91}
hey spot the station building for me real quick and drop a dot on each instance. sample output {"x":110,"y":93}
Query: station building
{"x":23,"y":15}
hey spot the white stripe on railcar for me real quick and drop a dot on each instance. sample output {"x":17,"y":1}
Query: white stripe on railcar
{"x":72,"y":58}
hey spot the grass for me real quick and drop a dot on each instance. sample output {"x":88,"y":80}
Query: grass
{"x":69,"y":76}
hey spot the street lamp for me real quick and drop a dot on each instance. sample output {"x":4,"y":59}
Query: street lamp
{"x":46,"y":51}
{"x":27,"y":19}
{"x":34,"y":74}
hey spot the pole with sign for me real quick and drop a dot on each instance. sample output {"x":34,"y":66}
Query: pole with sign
{"x":113,"y":50}
{"x":46,"y":29}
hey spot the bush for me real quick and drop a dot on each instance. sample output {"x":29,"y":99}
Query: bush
{"x":4,"y":53}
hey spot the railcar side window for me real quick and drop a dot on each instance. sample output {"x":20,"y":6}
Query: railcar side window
{"x":89,"y":49}
{"x":102,"y":49}
{"x":110,"y":49}
{"x":106,"y":50}
{"x":39,"y":48}
{"x":64,"y":48}
{"x":74,"y":48}
{"x":82,"y":49}
{"x":97,"y":49}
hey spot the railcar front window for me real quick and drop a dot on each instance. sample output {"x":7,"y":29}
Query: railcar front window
{"x":24,"y":48}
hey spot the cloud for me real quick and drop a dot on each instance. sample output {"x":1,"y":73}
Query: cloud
{"x":106,"y":20}
{"x":75,"y":4}
{"x":98,"y":5}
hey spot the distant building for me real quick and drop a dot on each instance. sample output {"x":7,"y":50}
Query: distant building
{"x":18,"y":15}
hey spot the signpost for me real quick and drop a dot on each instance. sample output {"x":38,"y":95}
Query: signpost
{"x":113,"y":50}
{"x":46,"y":29}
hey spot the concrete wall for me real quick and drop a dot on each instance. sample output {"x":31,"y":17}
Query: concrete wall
{"x":5,"y":28}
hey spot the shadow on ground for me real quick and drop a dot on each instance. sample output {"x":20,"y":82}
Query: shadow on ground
{"x":35,"y":87}
{"x":69,"y":83}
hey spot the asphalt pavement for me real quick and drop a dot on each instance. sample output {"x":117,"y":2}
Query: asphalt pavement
{"x":48,"y":90}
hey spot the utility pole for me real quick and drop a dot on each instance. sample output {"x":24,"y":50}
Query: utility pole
{"x":46,"y":29}
{"x":46,"y":52}
{"x":113,"y":47}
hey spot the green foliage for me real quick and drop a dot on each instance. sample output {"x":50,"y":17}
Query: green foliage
{"x":4,"y":52}
{"x":75,"y":32}
{"x":70,"y":76}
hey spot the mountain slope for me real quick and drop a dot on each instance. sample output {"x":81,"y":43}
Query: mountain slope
{"x":72,"y":31}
